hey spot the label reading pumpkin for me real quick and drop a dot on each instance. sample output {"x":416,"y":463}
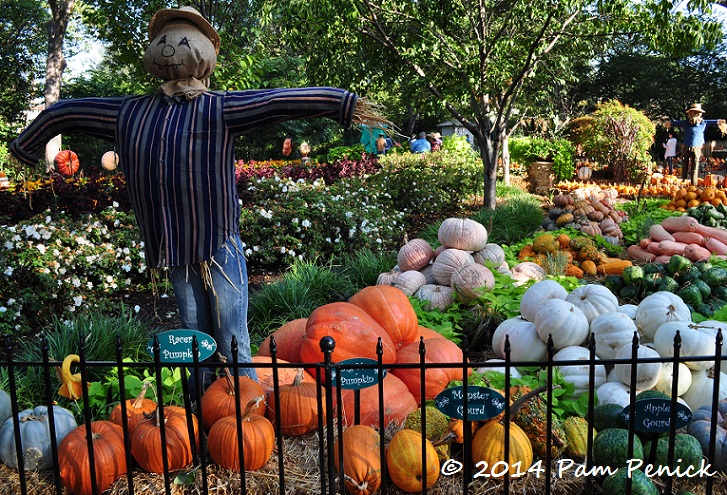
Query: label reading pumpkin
{"x":654,"y":415}
{"x":482,"y":403}
{"x":176,"y":346}
{"x":357,"y":378}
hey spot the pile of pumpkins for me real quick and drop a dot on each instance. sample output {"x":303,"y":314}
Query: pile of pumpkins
{"x":580,"y":256}
{"x":457,"y":270}
{"x":549,"y":311}
{"x":590,"y":215}
{"x":688,"y":196}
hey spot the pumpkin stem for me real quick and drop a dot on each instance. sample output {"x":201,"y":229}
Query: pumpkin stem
{"x":228,"y":376}
{"x":298,"y":378}
{"x":142,"y":394}
{"x":449,"y":436}
{"x":249,"y":406}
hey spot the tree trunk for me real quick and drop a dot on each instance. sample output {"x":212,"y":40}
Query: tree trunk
{"x":55,"y":65}
{"x":505,"y":147}
{"x":488,"y":153}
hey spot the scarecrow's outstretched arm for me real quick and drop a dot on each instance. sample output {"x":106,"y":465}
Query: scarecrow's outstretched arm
{"x":249,"y":110}
{"x":92,"y":116}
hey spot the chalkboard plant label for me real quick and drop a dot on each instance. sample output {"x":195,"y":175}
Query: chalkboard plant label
{"x":482,"y":403}
{"x":654,"y":415}
{"x":356,"y":378}
{"x":176,"y":346}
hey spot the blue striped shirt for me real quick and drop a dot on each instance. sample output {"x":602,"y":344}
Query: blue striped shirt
{"x":178,"y":155}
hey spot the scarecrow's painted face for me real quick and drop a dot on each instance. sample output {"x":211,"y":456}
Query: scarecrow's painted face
{"x":180,"y":51}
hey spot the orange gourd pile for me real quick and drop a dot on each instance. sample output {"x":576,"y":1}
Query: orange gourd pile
{"x":691,"y":196}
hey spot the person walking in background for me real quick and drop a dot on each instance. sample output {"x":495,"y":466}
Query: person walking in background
{"x":421,"y":145}
{"x":670,"y":151}
{"x":381,"y":145}
{"x":694,"y":127}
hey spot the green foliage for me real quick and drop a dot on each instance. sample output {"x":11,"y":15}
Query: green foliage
{"x":98,"y":331}
{"x":621,"y":137}
{"x":563,"y":404}
{"x":445,"y":322}
{"x":425,"y":184}
{"x":525,"y":150}
{"x":353,"y":152}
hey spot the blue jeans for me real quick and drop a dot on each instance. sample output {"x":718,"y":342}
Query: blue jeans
{"x":212,"y":298}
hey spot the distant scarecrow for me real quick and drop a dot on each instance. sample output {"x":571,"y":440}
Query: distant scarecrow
{"x":176,"y":149}
{"x":694,"y":128}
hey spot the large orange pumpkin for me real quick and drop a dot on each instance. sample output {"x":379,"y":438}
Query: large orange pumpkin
{"x":108,"y":456}
{"x":361,"y":459}
{"x":288,"y":339}
{"x":298,"y":411}
{"x":258,"y":439}
{"x":398,"y":403}
{"x":355,"y":332}
{"x":218,"y":400}
{"x":146,"y":440}
{"x":438,"y":350}
{"x":391,"y":309}
{"x":66,"y":162}
{"x":404,"y":461}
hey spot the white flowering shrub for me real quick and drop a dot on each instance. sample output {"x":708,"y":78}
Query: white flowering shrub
{"x":308,"y":220}
{"x":51,"y":266}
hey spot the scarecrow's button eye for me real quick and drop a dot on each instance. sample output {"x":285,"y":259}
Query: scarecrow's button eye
{"x":184,"y":41}
{"x":162,"y":40}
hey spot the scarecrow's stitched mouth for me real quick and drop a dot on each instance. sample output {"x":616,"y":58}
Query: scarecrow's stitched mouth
{"x":169,"y":66}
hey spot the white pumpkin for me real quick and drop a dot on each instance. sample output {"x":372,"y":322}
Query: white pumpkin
{"x":491,"y":253}
{"x":593,"y":300}
{"x":414,"y":255}
{"x":409,"y":281}
{"x":6,"y":409}
{"x":562,"y":321}
{"x":710,"y":327}
{"x":658,"y":308}
{"x":702,"y":388}
{"x":611,"y":331}
{"x":628,"y":309}
{"x":438,"y":296}
{"x":388,"y":278}
{"x":471,"y":281}
{"x":527,"y":271}
{"x":647,"y":374}
{"x":579,"y":374}
{"x":693,"y":343}
{"x":664,"y":385}
{"x":448,"y":262}
{"x":428,"y":275}
{"x":462,"y":233}
{"x":514,"y":372}
{"x":538,"y":293}
{"x":525,"y":343}
{"x":613,"y":393}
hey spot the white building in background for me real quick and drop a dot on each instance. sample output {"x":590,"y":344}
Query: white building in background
{"x":455,"y":128}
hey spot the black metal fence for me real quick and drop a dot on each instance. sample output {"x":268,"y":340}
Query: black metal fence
{"x":459,"y":474}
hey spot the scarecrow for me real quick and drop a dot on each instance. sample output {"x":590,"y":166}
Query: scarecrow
{"x":694,"y":127}
{"x":176,"y":149}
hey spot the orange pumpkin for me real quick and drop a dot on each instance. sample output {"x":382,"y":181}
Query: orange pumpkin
{"x":361,"y":459}
{"x":298,"y":411}
{"x":398,"y":403}
{"x":218,"y":400}
{"x":146,"y":440}
{"x":136,"y":409}
{"x":66,"y":162}
{"x":355,"y":332}
{"x":258,"y":439}
{"x":404,"y":461}
{"x":108,"y":456}
{"x":391,"y":309}
{"x":288,"y":339}
{"x":438,"y":350}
